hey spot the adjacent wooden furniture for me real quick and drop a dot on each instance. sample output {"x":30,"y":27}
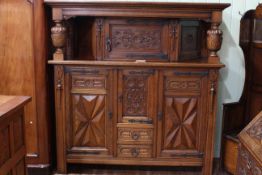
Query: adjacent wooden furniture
{"x":135,"y":83}
{"x":250,"y":148}
{"x":238,"y":115}
{"x":23,"y":70}
{"x":12,"y":136}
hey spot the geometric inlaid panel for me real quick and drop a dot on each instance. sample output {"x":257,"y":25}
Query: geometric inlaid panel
{"x":89,"y":120}
{"x":180,"y":123}
{"x":131,"y":38}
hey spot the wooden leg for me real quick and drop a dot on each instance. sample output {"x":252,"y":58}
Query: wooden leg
{"x":60,"y":120}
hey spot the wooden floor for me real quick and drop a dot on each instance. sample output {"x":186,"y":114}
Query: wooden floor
{"x":133,"y":170}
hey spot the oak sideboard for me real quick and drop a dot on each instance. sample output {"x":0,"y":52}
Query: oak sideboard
{"x":135,"y":82}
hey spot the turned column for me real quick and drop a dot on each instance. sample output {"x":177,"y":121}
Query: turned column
{"x":58,"y":34}
{"x":214,"y":37}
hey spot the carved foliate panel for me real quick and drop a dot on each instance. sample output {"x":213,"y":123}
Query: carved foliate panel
{"x":133,"y":39}
{"x":247,"y":164}
{"x":180,"y":126}
{"x":175,"y":84}
{"x":135,"y":95}
{"x":136,"y":39}
{"x":89,"y":120}
{"x":255,"y":131}
{"x":88,"y":82}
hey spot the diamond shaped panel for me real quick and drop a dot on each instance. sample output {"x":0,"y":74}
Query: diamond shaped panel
{"x":180,"y":123}
{"x":89,"y":120}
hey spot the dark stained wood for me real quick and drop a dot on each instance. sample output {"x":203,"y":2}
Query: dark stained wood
{"x":136,"y":91}
{"x":23,"y":70}
{"x":237,"y":115}
{"x":12,"y":135}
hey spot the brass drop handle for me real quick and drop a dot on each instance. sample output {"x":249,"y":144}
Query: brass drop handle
{"x":212,"y":92}
{"x":108,"y":44}
{"x":59,"y":88}
{"x":135,"y":136}
{"x":135,"y":152}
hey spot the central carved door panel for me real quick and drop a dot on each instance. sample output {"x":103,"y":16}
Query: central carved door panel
{"x":134,"y":39}
{"x":182,"y":114}
{"x":136,"y":113}
{"x":136,"y":96}
{"x":89,"y":114}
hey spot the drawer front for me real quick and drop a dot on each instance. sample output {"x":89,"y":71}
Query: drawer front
{"x":134,"y":151}
{"x":88,"y":82}
{"x":135,"y":135}
{"x":92,"y":79}
{"x":136,"y":39}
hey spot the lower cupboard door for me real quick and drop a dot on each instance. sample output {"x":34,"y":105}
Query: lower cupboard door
{"x":89,"y":119}
{"x":182,"y":118}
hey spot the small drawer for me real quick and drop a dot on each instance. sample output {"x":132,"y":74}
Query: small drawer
{"x":135,"y":133}
{"x":134,"y":151}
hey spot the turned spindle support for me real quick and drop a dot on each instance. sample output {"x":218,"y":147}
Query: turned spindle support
{"x":58,"y":34}
{"x":214,"y":37}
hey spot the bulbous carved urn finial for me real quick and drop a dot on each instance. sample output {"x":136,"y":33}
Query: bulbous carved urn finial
{"x":214,"y":40}
{"x":58,"y":35}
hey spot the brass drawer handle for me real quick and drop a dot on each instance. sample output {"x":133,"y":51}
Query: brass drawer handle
{"x":135,"y":152}
{"x":135,"y":136}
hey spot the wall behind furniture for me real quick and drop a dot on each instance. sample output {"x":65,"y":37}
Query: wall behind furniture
{"x":232,"y":77}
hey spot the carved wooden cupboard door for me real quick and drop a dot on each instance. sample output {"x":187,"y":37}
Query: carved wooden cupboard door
{"x":89,"y":111}
{"x":136,"y":95}
{"x":182,"y":113}
{"x":136,"y":39}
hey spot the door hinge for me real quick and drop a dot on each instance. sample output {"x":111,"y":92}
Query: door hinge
{"x":160,"y":115}
{"x":110,"y":115}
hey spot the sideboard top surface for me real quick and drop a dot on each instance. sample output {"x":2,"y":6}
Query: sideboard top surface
{"x":134,"y":9}
{"x":175,"y":5}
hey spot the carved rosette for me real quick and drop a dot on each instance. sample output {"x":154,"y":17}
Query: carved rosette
{"x":58,"y":35}
{"x":214,"y":39}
